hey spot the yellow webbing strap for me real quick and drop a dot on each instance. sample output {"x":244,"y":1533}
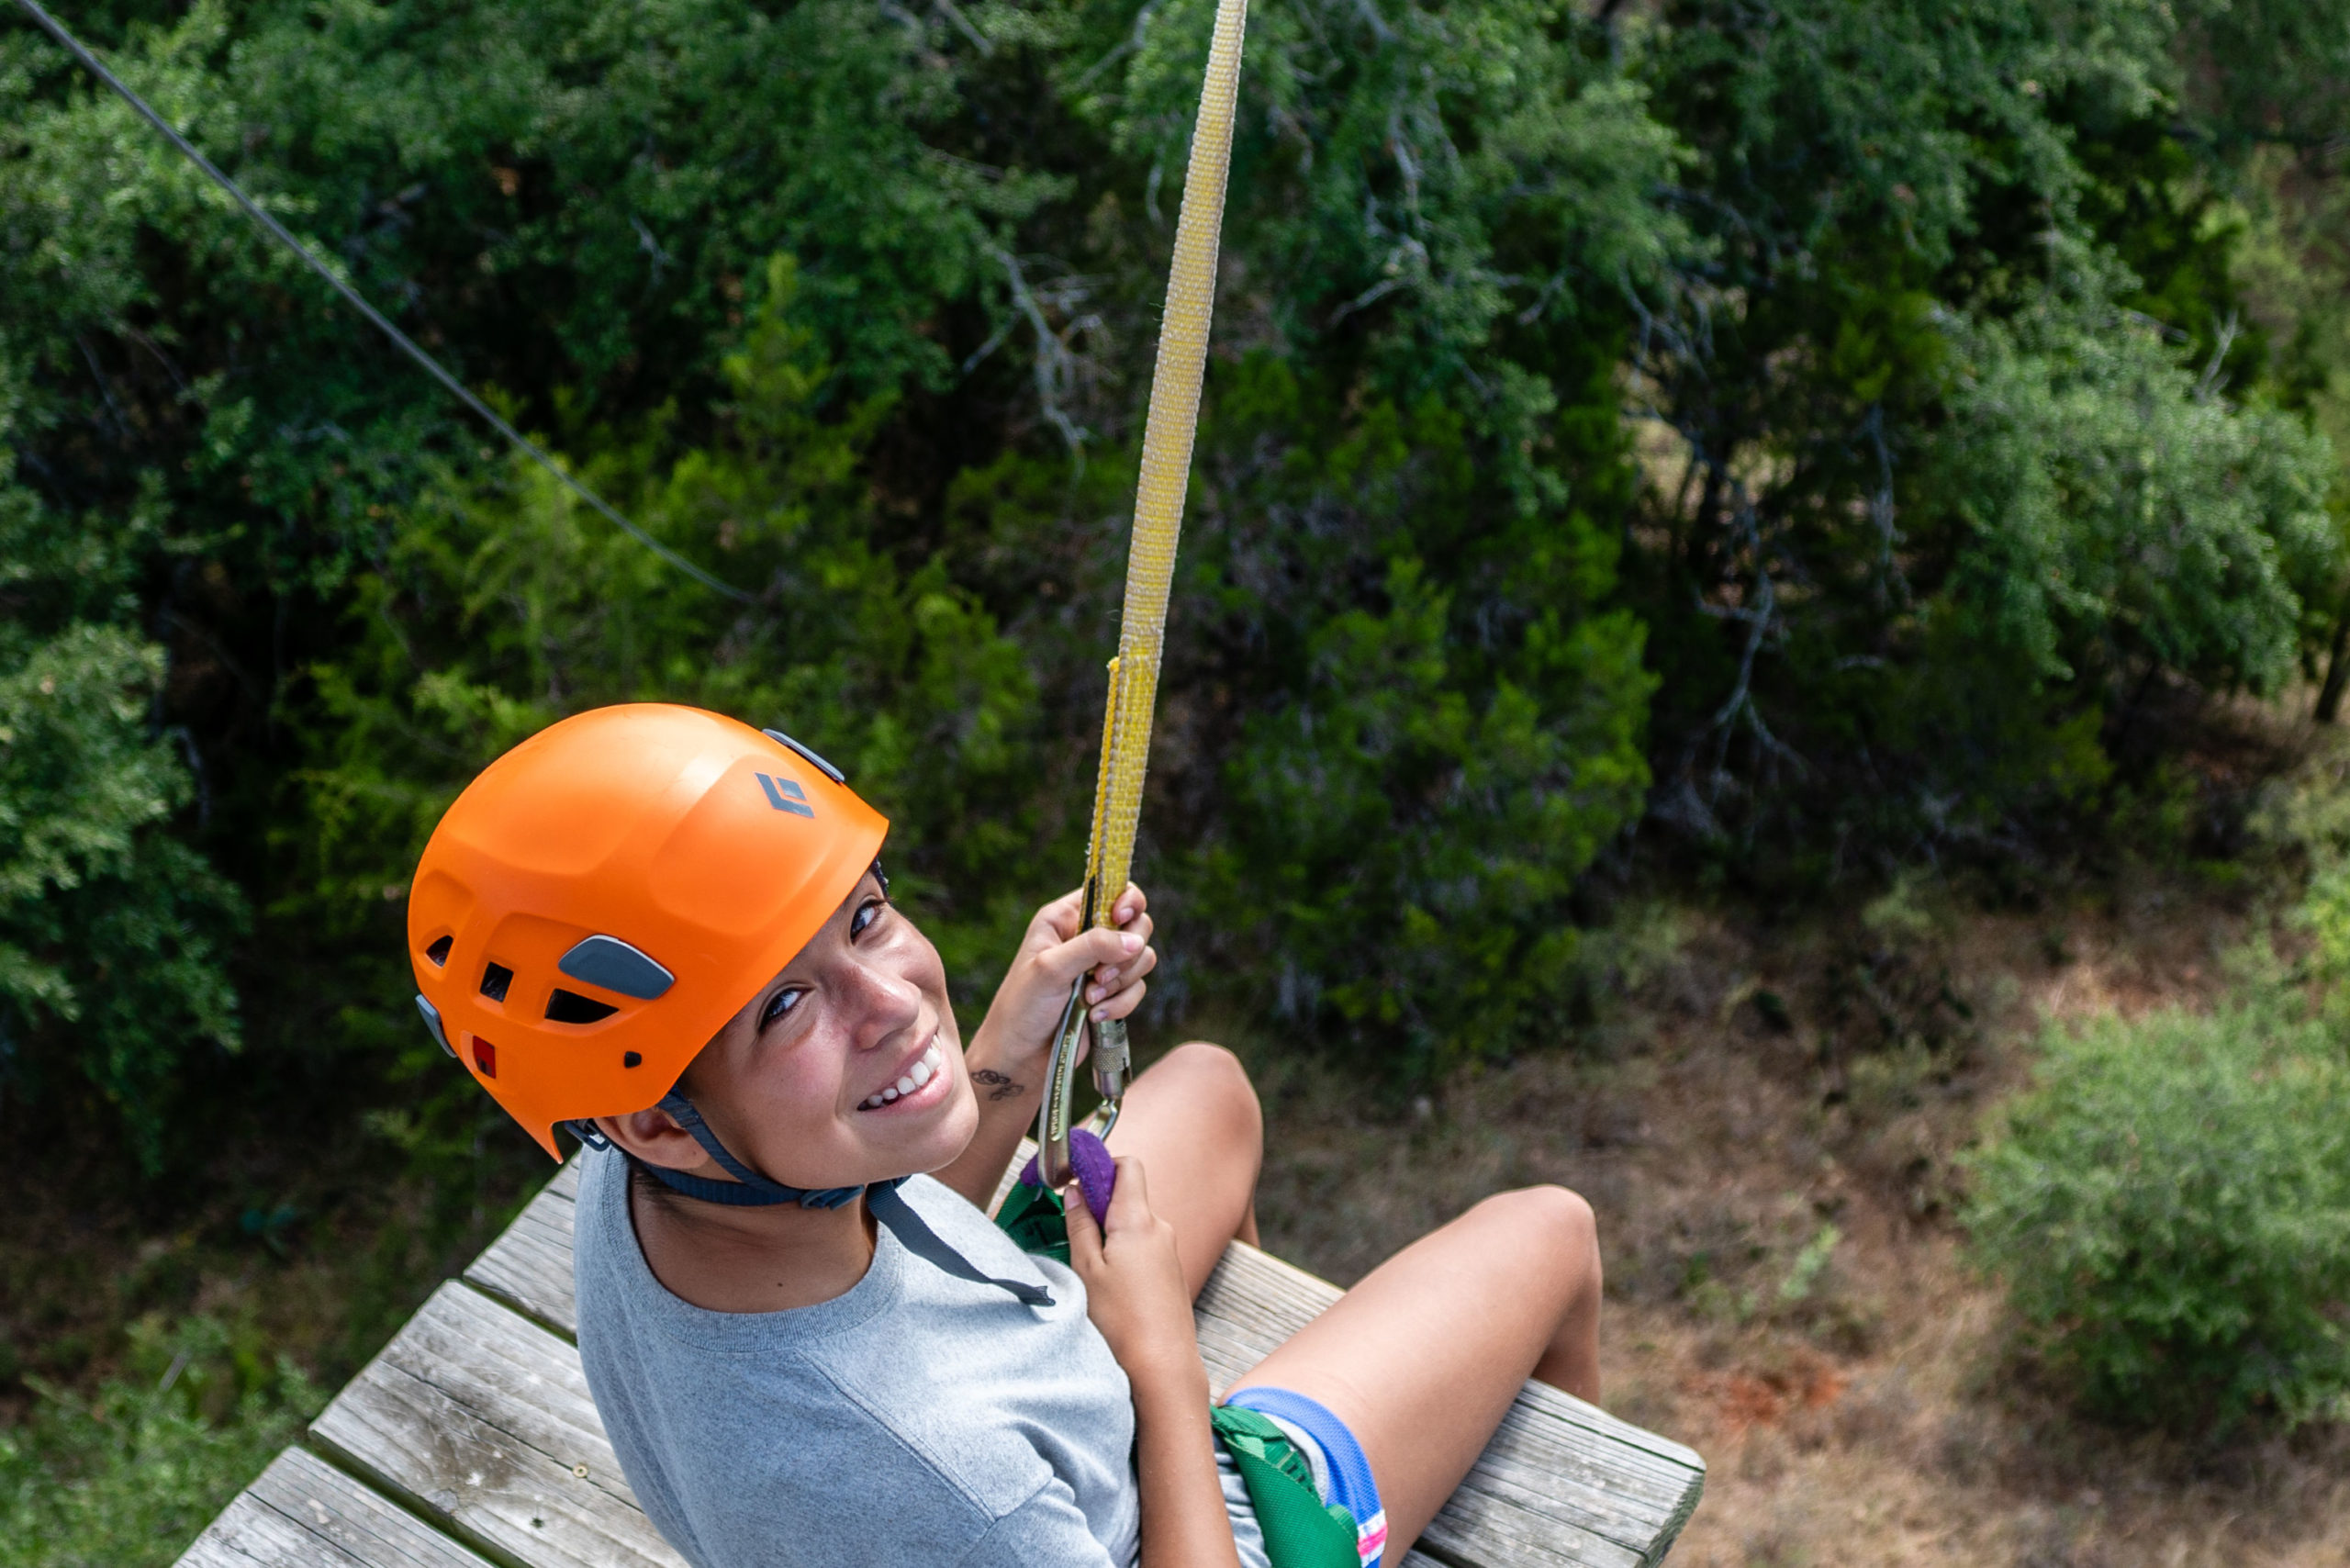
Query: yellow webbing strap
{"x":1150,"y":573}
{"x":1166,"y":472}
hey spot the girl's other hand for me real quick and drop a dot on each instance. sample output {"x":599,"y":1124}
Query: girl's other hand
{"x":1056,"y":950}
{"x":1135,"y":1290}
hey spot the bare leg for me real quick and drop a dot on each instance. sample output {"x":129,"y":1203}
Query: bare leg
{"x":1422,"y":1359}
{"x":1192,"y":1121}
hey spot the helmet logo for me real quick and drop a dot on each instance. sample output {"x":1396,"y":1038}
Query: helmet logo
{"x":786,"y":795}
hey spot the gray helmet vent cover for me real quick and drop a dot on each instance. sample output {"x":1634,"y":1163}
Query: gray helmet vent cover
{"x":826,"y":768}
{"x":608,"y":962}
{"x":432,"y":1023}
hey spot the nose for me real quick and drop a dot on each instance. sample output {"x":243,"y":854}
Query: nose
{"x":880,"y":1002}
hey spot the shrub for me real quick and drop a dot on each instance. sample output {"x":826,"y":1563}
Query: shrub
{"x":1438,"y":745}
{"x":127,"y":1477}
{"x":2170,"y":1208}
{"x":110,"y":929}
{"x":1409,"y":853}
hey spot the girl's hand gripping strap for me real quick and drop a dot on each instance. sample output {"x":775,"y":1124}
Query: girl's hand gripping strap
{"x":1150,"y":577}
{"x":1033,"y":1215}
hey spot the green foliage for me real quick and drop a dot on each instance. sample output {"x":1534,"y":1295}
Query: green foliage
{"x":504,"y":604}
{"x":1411,"y":849}
{"x":108,"y":963}
{"x":1449,"y":186}
{"x":2120,"y":517}
{"x":1953,"y":462}
{"x":1429,"y":767}
{"x":126,"y":1476}
{"x":1762,"y":399}
{"x":2170,"y":1207}
{"x":112,"y":929}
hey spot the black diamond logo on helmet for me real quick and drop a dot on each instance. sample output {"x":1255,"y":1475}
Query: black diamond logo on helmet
{"x":786,"y":795}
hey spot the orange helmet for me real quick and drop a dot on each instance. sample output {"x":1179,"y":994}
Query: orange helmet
{"x":605,"y":896}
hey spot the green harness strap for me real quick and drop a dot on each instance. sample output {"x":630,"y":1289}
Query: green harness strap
{"x":1301,"y":1530}
{"x":1035,"y":1220}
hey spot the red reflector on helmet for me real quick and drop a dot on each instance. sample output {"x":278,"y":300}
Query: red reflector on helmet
{"x":486,"y":1057}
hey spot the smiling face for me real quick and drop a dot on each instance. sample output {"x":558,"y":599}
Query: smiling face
{"x":845,"y":1067}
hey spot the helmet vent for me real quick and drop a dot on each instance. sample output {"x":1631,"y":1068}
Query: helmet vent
{"x":486,"y":1057}
{"x":494,"y":982}
{"x":570,"y":1007}
{"x":612,"y":964}
{"x":439,"y":951}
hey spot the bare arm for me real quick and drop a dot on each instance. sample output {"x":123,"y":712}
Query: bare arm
{"x":1009,"y":1084}
{"x":1135,"y":1294}
{"x":1184,"y":1524}
{"x":1007,"y":1055}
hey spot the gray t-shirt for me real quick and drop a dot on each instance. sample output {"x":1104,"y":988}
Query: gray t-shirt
{"x":918,"y":1419}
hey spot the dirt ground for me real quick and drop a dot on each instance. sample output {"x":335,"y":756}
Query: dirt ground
{"x":1767,"y":1132}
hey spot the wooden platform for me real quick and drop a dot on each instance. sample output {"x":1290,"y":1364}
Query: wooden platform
{"x":471,"y":1442}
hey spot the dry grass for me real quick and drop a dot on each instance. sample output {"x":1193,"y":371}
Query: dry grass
{"x":1757,"y":1092}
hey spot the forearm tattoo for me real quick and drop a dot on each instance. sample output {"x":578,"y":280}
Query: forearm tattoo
{"x":999,"y":1086}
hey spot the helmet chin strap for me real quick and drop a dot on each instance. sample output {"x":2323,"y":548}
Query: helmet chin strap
{"x":751,"y":1190}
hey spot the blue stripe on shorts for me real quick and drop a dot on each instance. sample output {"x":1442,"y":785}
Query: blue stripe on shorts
{"x":1351,"y":1487}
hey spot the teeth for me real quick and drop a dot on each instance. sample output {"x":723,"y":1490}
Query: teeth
{"x":917,"y":1076}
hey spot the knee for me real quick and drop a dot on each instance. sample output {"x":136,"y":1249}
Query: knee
{"x":1549,"y":1222}
{"x":1212,"y":1076}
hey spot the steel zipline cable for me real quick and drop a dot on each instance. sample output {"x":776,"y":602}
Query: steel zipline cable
{"x":406,"y":345}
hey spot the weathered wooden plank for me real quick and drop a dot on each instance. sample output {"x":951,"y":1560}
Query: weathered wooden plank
{"x":482,"y":1421}
{"x":248,"y":1535}
{"x":1564,"y":1482}
{"x":529,"y":1266}
{"x":304,"y":1513}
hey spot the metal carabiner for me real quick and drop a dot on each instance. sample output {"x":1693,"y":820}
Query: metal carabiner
{"x":1111,"y":1059}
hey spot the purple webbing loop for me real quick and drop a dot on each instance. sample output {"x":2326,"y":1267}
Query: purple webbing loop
{"x":1096,"y":1172}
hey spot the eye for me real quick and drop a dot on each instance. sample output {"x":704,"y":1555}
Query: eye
{"x":781,"y":1003}
{"x":866,"y":913}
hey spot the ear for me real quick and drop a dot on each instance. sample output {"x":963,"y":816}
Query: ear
{"x":656,"y":1138}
